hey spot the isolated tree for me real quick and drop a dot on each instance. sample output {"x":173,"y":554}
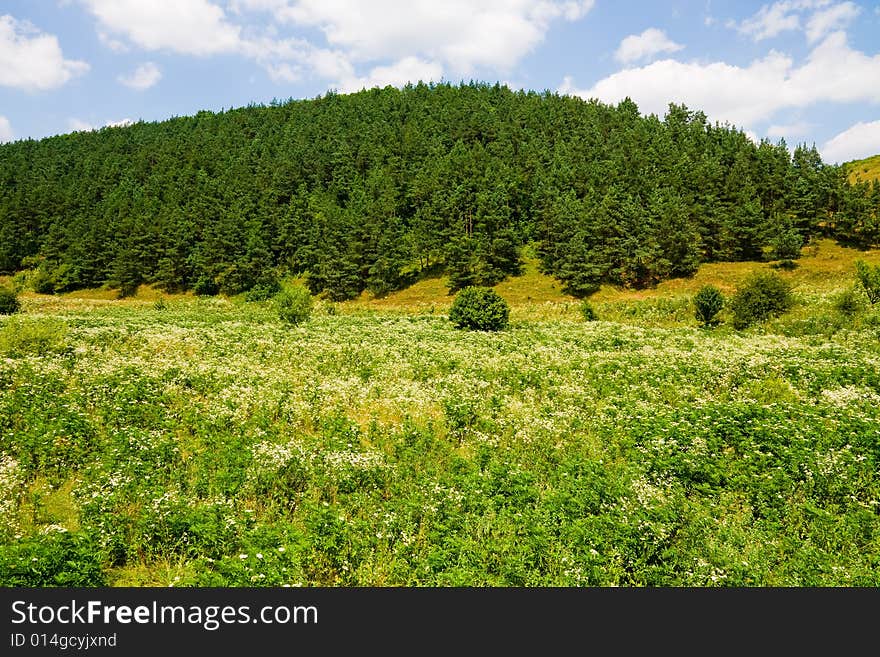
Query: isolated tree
{"x":869,"y":278}
{"x":9,"y":302}
{"x":480,"y":309}
{"x":294,"y":304}
{"x":762,"y":296}
{"x":708,"y":302}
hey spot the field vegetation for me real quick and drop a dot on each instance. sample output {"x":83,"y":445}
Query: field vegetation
{"x":178,"y":440}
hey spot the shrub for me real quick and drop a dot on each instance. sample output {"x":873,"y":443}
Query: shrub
{"x":294,"y":304}
{"x":9,"y":302}
{"x":480,"y":309}
{"x":869,"y":278}
{"x":264,"y":289}
{"x":588,"y":312}
{"x":787,"y":245}
{"x":786,"y":264}
{"x":206,"y":287}
{"x":42,"y":282}
{"x":763,"y":295}
{"x":708,"y":302}
{"x":849,"y":302}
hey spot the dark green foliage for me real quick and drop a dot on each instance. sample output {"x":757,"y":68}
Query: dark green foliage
{"x":480,"y":309}
{"x":762,"y":296}
{"x":787,"y":245}
{"x":206,"y":287}
{"x":368,"y":190}
{"x":869,"y":279}
{"x":9,"y":302}
{"x":294,"y":304}
{"x":42,"y":282}
{"x":708,"y":302}
{"x":462,"y":264}
{"x":588,"y":312}
{"x":265,"y":288}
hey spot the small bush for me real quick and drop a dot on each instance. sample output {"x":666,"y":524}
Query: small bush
{"x":20,"y":281}
{"x":42,"y":282}
{"x":294,"y":304}
{"x":588,"y":312}
{"x":787,"y":265}
{"x":708,"y":302}
{"x":480,"y":309}
{"x":763,"y":295}
{"x":9,"y":302}
{"x":869,"y":278}
{"x":787,"y":245}
{"x":849,"y":302}
{"x":264,"y":289}
{"x":206,"y":287}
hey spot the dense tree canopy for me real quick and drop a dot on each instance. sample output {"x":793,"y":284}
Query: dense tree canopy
{"x":367,"y":190}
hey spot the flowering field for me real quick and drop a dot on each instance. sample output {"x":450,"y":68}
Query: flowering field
{"x":203,"y":442}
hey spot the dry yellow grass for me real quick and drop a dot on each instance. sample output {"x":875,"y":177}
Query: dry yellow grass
{"x":432,"y":295}
{"x":865,"y":170}
{"x":824,"y":266}
{"x":144,"y":293}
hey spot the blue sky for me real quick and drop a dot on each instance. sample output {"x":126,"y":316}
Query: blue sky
{"x":807,"y":71}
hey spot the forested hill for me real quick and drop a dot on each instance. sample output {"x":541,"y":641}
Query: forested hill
{"x":365,"y":191}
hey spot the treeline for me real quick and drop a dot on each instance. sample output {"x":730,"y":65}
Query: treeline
{"x":369,"y":190}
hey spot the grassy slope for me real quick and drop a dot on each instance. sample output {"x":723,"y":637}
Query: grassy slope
{"x":824,"y":267}
{"x":864,"y":170}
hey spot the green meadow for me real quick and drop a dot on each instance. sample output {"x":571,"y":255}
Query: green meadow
{"x":179,"y":441}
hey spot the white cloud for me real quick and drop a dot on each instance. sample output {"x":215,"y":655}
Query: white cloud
{"x":642,"y":46}
{"x":858,"y":141}
{"x":790,"y":130}
{"x":6,"y":133}
{"x":833,"y":72}
{"x":32,"y":60}
{"x":828,"y":20}
{"x":115,"y":45}
{"x":143,"y":77}
{"x":459,"y":34}
{"x":388,"y":39}
{"x":121,"y":123}
{"x":771,"y":20}
{"x":78,"y":125}
{"x":191,"y":27}
{"x":816,"y":17}
{"x":289,"y":60}
{"x":408,"y":69}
